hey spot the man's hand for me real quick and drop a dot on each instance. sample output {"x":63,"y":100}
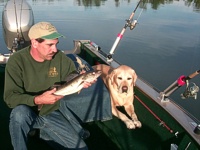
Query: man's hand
{"x":87,"y":84}
{"x":47,"y":98}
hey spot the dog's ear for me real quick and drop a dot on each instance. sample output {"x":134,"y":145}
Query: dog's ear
{"x":134,"y":77}
{"x":111,"y":76}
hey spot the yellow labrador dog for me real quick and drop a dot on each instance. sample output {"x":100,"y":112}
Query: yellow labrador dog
{"x":120,"y":82}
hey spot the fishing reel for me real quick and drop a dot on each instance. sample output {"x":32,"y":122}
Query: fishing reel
{"x":191,"y":91}
{"x":131,"y":24}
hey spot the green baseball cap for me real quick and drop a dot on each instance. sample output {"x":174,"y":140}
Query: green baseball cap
{"x":44,"y":30}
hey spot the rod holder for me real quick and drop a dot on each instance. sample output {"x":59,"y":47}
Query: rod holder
{"x":109,"y":58}
{"x":197,"y":129}
{"x":172,"y":88}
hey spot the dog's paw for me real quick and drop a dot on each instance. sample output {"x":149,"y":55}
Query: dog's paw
{"x":129,"y":124}
{"x":137,"y":123}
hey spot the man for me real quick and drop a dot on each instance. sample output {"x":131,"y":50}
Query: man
{"x":29,"y":75}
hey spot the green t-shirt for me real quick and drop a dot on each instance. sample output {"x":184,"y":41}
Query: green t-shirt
{"x":25,"y":78}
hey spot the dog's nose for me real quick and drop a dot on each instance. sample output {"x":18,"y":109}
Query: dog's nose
{"x":124,"y":89}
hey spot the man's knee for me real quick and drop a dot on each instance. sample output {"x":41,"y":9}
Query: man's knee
{"x":21,"y":114}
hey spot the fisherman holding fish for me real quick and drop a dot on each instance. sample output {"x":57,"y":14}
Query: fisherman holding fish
{"x":30,"y":73}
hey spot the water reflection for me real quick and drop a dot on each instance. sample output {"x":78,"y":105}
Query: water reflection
{"x":88,"y":3}
{"x":155,"y":4}
{"x":194,"y":3}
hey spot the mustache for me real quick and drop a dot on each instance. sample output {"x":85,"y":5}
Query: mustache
{"x":53,"y":53}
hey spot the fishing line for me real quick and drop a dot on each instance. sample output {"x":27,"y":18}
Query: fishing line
{"x":140,"y":14}
{"x":134,"y":22}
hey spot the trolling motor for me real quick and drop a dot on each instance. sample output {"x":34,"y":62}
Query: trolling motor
{"x":129,"y":23}
{"x":191,"y":91}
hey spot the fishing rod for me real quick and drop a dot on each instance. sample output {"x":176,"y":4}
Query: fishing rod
{"x":156,"y":116}
{"x":181,"y":81}
{"x":129,"y":23}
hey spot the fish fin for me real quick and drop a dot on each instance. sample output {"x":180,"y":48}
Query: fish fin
{"x":79,"y":91}
{"x":71,"y":76}
{"x":57,"y":84}
{"x":80,"y":63}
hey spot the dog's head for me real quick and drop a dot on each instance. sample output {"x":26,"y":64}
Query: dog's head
{"x":123,"y":79}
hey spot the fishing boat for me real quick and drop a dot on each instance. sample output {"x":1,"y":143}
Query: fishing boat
{"x":165,"y":124}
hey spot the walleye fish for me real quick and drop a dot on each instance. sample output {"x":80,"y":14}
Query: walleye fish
{"x":76,"y":84}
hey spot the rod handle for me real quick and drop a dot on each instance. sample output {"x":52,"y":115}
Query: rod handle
{"x":193,"y":74}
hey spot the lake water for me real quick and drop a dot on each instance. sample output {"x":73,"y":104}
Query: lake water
{"x":164,"y":45}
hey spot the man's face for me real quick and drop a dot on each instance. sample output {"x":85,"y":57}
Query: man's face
{"x":47,"y":49}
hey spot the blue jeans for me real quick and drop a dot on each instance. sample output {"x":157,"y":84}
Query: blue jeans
{"x":62,"y":126}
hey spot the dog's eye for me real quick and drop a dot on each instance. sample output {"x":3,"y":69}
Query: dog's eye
{"x":120,"y":78}
{"x":129,"y":78}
